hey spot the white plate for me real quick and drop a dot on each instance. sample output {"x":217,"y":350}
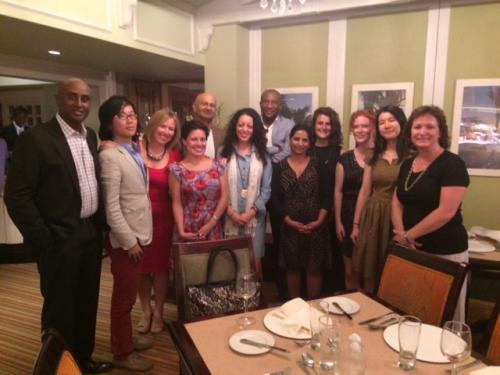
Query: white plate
{"x":350,"y":306}
{"x":254,"y":335}
{"x":429,"y":349}
{"x":272,"y":321}
{"x":477,"y":246}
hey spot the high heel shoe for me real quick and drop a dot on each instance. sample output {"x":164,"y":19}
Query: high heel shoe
{"x":144,"y":324}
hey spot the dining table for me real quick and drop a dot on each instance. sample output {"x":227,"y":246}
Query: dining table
{"x":203,"y":346}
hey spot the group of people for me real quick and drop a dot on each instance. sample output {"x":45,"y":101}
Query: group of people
{"x":201,"y":181}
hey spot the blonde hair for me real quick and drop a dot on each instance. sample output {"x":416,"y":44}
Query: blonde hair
{"x":158,"y":118}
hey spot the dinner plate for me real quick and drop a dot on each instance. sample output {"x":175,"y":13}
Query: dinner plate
{"x":350,"y":306}
{"x":254,"y":335}
{"x":429,"y":349}
{"x":477,"y":246}
{"x":272,"y":321}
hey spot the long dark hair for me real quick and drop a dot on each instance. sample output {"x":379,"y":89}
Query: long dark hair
{"x":258,"y":138}
{"x":380,"y":142}
{"x":336,"y":133}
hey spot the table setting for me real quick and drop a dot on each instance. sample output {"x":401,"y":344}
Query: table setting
{"x":318,"y":337}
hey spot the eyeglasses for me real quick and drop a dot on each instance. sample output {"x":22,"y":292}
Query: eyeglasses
{"x":128,"y":116}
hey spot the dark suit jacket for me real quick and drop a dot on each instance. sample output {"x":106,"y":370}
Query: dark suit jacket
{"x":42,"y":193}
{"x":9,"y":133}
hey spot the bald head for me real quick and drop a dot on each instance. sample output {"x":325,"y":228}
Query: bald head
{"x":205,"y":108}
{"x":270,"y":105}
{"x":73,"y":101}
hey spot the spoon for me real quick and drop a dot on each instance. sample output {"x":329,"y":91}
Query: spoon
{"x":309,"y":361}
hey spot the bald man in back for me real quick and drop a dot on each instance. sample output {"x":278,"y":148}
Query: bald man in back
{"x":52,"y":195}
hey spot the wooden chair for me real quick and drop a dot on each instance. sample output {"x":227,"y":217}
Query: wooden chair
{"x":54,"y":357}
{"x":421,"y":284}
{"x":190,"y":263}
{"x":493,"y":352}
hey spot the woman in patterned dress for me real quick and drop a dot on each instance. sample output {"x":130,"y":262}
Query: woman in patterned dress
{"x":348,"y":178}
{"x":199,"y":188}
{"x":301,"y":195}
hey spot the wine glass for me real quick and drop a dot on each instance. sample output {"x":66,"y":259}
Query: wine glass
{"x":456,"y":342}
{"x":246,"y":287}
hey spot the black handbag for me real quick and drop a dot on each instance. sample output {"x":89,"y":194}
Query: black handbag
{"x":217,"y":298}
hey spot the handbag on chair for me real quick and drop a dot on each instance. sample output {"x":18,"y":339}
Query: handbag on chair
{"x":217,"y":298}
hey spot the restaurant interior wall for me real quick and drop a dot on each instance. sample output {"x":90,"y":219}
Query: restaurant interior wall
{"x":383,"y":48}
{"x":474,"y":52}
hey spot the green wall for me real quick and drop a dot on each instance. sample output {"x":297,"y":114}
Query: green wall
{"x":474,"y":52}
{"x":295,"y":56}
{"x":385,"y":49}
{"x":227,"y":69}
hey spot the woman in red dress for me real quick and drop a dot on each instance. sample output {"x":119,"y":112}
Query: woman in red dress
{"x":158,"y":152}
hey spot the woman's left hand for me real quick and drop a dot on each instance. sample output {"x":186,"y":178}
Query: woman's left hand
{"x":405,"y":240}
{"x":206,"y":229}
{"x":247,"y":216}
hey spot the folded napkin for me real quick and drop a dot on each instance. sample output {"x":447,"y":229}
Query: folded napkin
{"x":295,"y":315}
{"x":490,"y":370}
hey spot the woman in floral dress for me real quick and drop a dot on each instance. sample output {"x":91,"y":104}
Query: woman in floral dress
{"x":199,"y":188}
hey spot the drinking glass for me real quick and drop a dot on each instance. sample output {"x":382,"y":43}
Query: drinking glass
{"x":455,"y":342}
{"x":329,"y":335}
{"x":409,"y":338}
{"x":246,"y":287}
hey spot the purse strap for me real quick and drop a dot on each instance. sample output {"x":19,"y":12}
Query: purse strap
{"x":211,"y":261}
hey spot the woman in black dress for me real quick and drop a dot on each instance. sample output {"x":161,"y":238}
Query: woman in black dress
{"x":348,"y":178}
{"x":426,"y":206}
{"x":301,"y":194}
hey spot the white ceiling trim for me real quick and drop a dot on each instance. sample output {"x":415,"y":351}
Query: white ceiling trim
{"x":106,"y":27}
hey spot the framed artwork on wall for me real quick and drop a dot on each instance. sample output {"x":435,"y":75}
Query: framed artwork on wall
{"x":299,"y":102}
{"x":476,"y":125}
{"x":377,"y":95}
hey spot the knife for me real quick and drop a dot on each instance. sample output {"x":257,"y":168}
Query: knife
{"x":337,"y":305}
{"x":374,"y":319}
{"x":262,"y":345}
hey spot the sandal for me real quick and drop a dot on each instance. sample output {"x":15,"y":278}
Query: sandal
{"x":157,"y":325}
{"x":144,"y":324}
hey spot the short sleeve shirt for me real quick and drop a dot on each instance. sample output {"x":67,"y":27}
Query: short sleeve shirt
{"x":422,"y":197}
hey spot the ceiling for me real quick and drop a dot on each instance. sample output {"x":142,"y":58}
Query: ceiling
{"x":32,"y":40}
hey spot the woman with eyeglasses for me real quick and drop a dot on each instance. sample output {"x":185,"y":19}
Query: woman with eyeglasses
{"x":124,"y":179}
{"x":199,"y":188}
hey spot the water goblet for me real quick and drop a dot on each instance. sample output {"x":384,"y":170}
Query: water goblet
{"x":456,"y":342}
{"x":246,"y":287}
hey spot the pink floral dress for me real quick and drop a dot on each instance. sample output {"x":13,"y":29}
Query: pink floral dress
{"x":200,"y":193}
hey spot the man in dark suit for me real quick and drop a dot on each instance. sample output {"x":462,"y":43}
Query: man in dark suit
{"x":18,"y":125}
{"x":52,"y":196}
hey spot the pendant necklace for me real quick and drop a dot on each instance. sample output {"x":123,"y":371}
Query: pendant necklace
{"x":408,"y":186}
{"x":244,"y":181}
{"x":153,"y":157}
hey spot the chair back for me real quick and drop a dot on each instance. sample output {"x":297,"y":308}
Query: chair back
{"x":421,"y":284}
{"x":190,"y":265}
{"x":54,"y":357}
{"x":493,"y":352}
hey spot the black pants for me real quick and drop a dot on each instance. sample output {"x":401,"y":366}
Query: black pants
{"x":70,"y":274}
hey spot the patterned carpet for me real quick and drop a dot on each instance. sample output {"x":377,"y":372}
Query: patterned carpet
{"x":20,"y":306}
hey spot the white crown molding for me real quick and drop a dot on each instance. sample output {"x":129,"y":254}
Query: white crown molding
{"x":255,"y":67}
{"x":156,"y":43}
{"x":441,"y":56}
{"x":36,"y":9}
{"x":337,"y":33}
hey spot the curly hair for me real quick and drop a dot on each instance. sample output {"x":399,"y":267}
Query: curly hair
{"x":258,"y":139}
{"x":336,"y":133}
{"x":402,"y":148}
{"x":438,"y":114}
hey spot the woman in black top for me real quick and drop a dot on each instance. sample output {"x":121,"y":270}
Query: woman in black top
{"x":348,"y":178}
{"x":301,"y":196}
{"x":426,"y":206}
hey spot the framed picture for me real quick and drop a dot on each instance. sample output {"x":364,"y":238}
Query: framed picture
{"x":298,"y":102}
{"x":377,"y":95}
{"x":476,"y":125}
